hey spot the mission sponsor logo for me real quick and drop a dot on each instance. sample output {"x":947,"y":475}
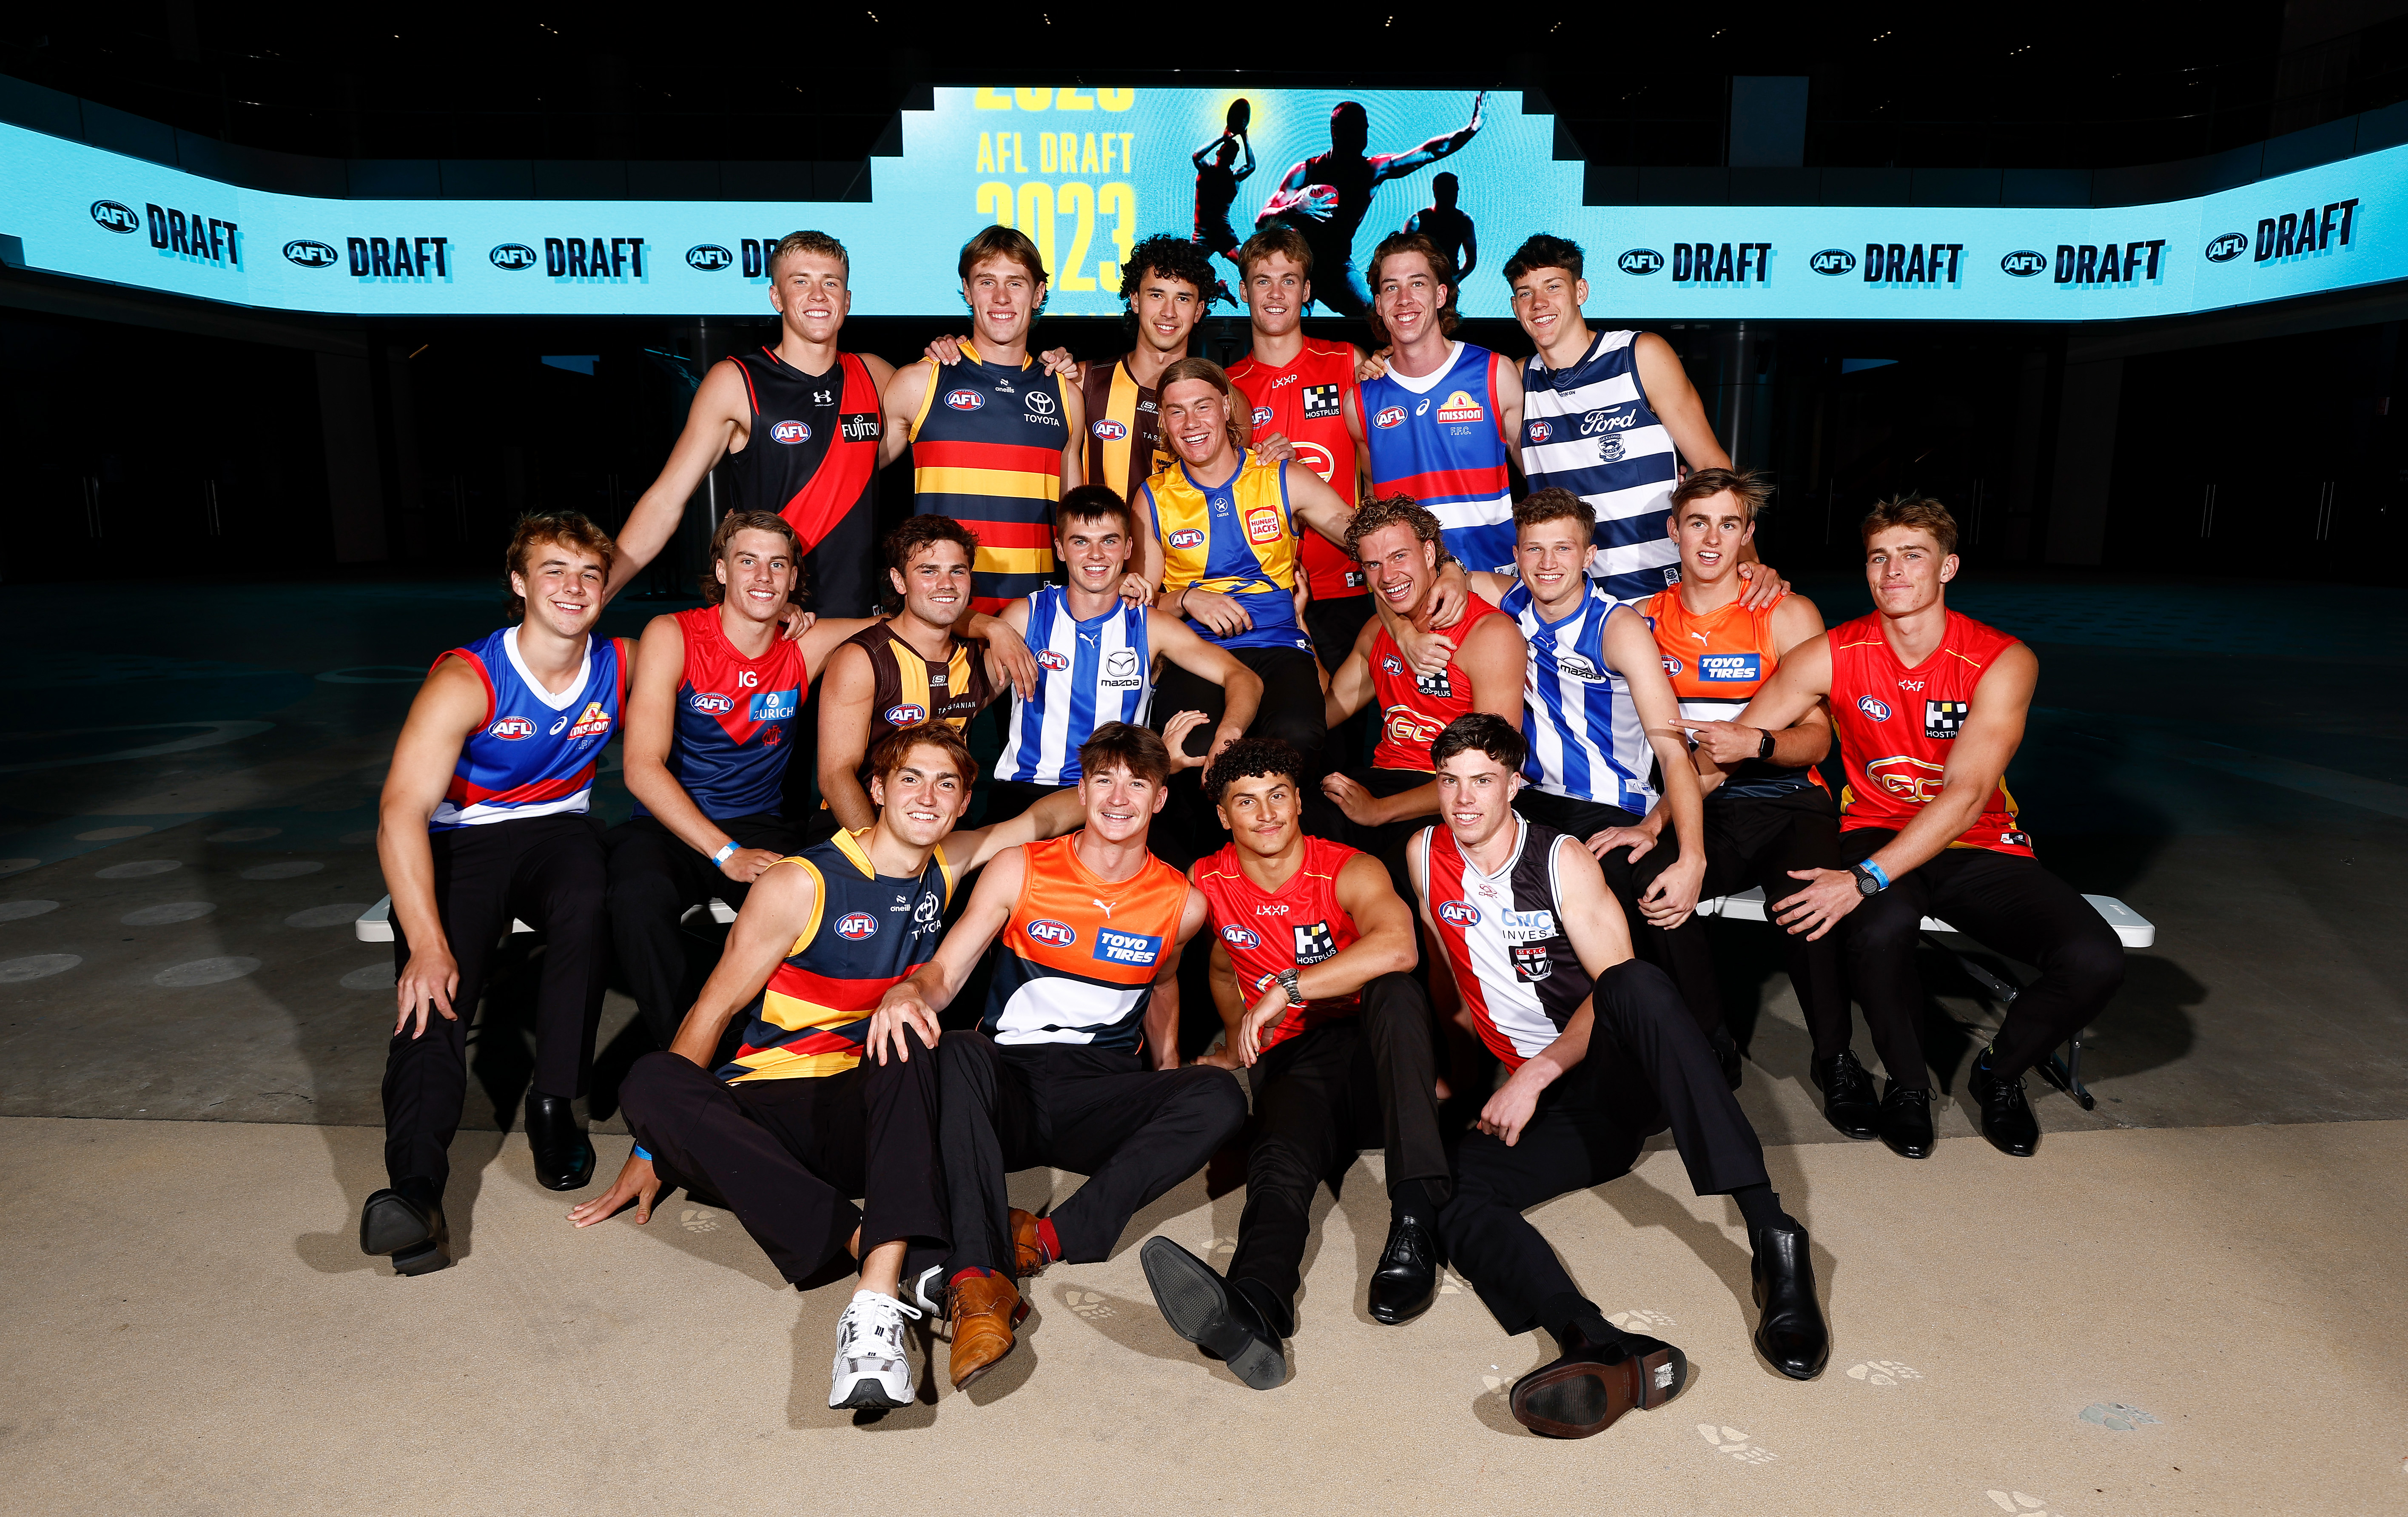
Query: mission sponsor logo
{"x":1237,"y":937}
{"x":592,"y":722}
{"x":1114,"y":946}
{"x":711,"y":703}
{"x":855,"y":925}
{"x":1051,"y":933}
{"x":311,"y":253}
{"x":1721,"y":263}
{"x":511,"y":728}
{"x":2227,"y":247}
{"x":964,"y":400}
{"x":1459,"y":913}
{"x":109,"y":216}
{"x":1389,"y":416}
{"x":512,"y":256}
{"x":791,"y":432}
{"x":2024,"y":263}
{"x":1877,"y":709}
{"x":1460,"y":406}
{"x":1641,"y":260}
{"x":1833,"y":262}
{"x":908,"y":714}
{"x":1110,"y":430}
{"x":708,"y":257}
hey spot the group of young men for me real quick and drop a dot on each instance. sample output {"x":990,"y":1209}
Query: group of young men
{"x":1437,"y":734}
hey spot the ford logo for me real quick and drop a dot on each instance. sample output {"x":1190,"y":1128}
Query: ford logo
{"x":2227,"y":247}
{"x":310,"y":254}
{"x":113,"y":217}
{"x":1832,"y":261}
{"x":513,"y":255}
{"x":2024,"y":263}
{"x":1639,"y":261}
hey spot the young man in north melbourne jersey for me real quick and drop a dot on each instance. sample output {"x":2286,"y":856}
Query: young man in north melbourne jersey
{"x":1930,"y":706}
{"x":1075,"y":1063}
{"x":1312,"y":964}
{"x":1602,"y":1056}
{"x":813,"y":1109}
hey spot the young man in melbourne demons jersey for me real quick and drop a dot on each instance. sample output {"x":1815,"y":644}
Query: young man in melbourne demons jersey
{"x":813,"y":1111}
{"x":1095,"y":654}
{"x":1603,"y":1054}
{"x":1075,"y":1063}
{"x":483,"y":819}
{"x":799,"y":423}
{"x":1767,"y":811}
{"x":1930,"y":706}
{"x":1311,"y":970}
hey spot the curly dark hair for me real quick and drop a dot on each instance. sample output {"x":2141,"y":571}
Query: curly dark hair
{"x":1248,"y":757}
{"x":1173,"y":258}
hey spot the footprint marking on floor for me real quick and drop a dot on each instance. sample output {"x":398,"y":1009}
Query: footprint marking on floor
{"x":2117,"y":1415}
{"x":1218,"y":1245}
{"x":1644,"y":1323}
{"x":1088,"y":1304}
{"x":1884,"y":1372}
{"x":698,"y":1220}
{"x":1730,"y":1441}
{"x":2021,"y":1505}
{"x":1451,"y":1283}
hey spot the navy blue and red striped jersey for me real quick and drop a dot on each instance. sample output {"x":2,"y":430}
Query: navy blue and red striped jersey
{"x":735,"y":719}
{"x":535,"y":754}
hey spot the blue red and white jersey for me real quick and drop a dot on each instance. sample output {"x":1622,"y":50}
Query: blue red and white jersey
{"x":1087,"y":673}
{"x":536,"y":751}
{"x":734,"y":719}
{"x":1441,"y":439}
{"x":1584,"y":736}
{"x":1589,"y":429}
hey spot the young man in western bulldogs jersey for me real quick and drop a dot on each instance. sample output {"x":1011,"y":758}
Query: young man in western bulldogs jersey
{"x":484,"y":819}
{"x":1603,"y":1055}
{"x":811,"y":1111}
{"x":1095,"y":656}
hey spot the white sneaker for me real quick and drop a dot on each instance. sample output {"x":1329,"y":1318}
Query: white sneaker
{"x":928,"y":1292}
{"x":872,"y":1369}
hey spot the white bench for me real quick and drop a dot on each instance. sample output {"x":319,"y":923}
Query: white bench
{"x":374,"y":924}
{"x":2132,"y":930}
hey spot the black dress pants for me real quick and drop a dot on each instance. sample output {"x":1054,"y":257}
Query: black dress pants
{"x":1133,"y":1131}
{"x":1385,"y":842}
{"x":788,"y":1156}
{"x":1334,"y":626}
{"x":2004,"y":901}
{"x":1648,"y":1068}
{"x":1627,"y":878}
{"x":1320,"y":1098}
{"x":548,"y":872}
{"x":655,"y":878}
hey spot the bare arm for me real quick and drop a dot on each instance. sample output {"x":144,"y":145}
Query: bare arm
{"x":1149,"y":537}
{"x":1241,"y":687}
{"x":1245,"y":170}
{"x":1630,"y":649}
{"x":1387,"y":946}
{"x":450,"y":705}
{"x":1509,"y":405}
{"x":1796,"y":687}
{"x":1162,"y":1011}
{"x":1592,"y":920}
{"x":1397,"y":165}
{"x":1074,"y":452}
{"x":900,"y":400}
{"x":776,"y":911}
{"x":1493,"y":657}
{"x":1316,"y":504}
{"x":1350,"y":688}
{"x":651,"y":719}
{"x":721,"y":408}
{"x":1230,"y":1002}
{"x":846,"y":696}
{"x":1723,"y":744}
{"x":932,"y":987}
{"x":1057,"y":813}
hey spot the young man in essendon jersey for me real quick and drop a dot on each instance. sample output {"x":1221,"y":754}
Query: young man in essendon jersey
{"x":1075,"y":1062}
{"x":915,"y":665}
{"x":1095,"y":657}
{"x":995,"y":438}
{"x":484,"y":819}
{"x":800,"y":425}
{"x":815,"y":1107}
{"x":1930,"y":706}
{"x":1311,"y":970}
{"x":1602,"y":1056}
{"x":1767,"y":811}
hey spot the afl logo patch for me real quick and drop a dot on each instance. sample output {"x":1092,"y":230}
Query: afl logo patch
{"x":1541,"y":432}
{"x":1052,"y":933}
{"x":1187,"y":537}
{"x":1240,"y":937}
{"x":310,"y":254}
{"x":710,"y":703}
{"x":791,"y":432}
{"x":512,"y":255}
{"x":905,"y":716}
{"x":1109,"y":430}
{"x":1459,"y":913}
{"x":1872,"y":708}
{"x":512,"y":728}
{"x":1672,"y":666}
{"x":111,"y":217}
{"x":964,"y":400}
{"x":1389,"y":416}
{"x":1262,"y":416}
{"x":855,"y":925}
{"x":708,"y":257}
{"x":1053,"y":661}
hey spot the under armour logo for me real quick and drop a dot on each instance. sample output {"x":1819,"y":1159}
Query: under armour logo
{"x":823,"y":397}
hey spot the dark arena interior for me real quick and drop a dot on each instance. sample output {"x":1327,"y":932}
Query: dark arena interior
{"x":2058,"y":351}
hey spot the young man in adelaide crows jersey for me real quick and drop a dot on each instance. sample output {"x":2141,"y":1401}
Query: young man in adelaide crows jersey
{"x":1931,"y":707}
{"x":1075,"y":1063}
{"x":800,"y":425}
{"x":484,"y":819}
{"x":815,"y":1109}
{"x":1603,"y":1055}
{"x":1310,"y":969}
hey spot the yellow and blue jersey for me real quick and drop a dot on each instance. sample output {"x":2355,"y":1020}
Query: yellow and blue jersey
{"x":1237,"y":539}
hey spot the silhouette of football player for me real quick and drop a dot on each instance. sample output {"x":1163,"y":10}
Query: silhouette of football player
{"x":1449,"y":229}
{"x":1327,"y":196}
{"x":1216,"y":189}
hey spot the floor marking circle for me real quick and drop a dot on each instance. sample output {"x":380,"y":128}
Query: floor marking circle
{"x":160,"y":916}
{"x":374,"y":976}
{"x":219,"y":732}
{"x":138,"y":869}
{"x":204,"y":972}
{"x":20,"y":911}
{"x":36,"y":967}
{"x":17,"y":865}
{"x":335,"y":915}
{"x":288,"y":869}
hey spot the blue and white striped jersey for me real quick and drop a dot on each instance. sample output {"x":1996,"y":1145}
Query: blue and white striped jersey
{"x":1087,"y":673}
{"x":1590,"y":430}
{"x":1584,"y":736}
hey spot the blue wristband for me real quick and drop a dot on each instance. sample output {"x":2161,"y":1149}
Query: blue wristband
{"x":643,"y":1153}
{"x":726,"y":852}
{"x":1881,"y":876}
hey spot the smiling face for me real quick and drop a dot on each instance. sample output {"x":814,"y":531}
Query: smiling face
{"x":1094,"y":549}
{"x":758,"y":569}
{"x":1475,"y":795}
{"x":1167,"y":309}
{"x":1712,"y":531}
{"x":1400,"y":567}
{"x":1905,"y":569}
{"x":810,"y":294}
{"x":935,"y":584}
{"x":1260,"y":812}
{"x":1553,"y":559}
{"x":1196,"y":419}
{"x":1120,"y":804}
{"x":923,"y":797}
{"x":1408,"y":298}
{"x":1003,"y":299}
{"x":1276,"y":293}
{"x":1547,"y":302}
{"x":562,"y":587}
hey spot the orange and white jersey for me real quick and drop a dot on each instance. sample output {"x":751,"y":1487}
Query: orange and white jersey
{"x":1080,"y":952}
{"x":1716,"y":661}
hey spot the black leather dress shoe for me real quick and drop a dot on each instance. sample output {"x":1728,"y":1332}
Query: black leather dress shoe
{"x":1405,"y":1281}
{"x":1726,"y":1054}
{"x":408,"y":1224}
{"x":1848,"y":1099}
{"x":1790,"y":1333}
{"x":563,"y":1156}
{"x":1203,"y":1308}
{"x":1905,"y":1120}
{"x":1583,"y":1392}
{"x":2007,"y":1119}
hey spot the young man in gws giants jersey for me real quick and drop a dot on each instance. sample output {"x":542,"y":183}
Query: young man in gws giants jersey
{"x":484,"y":819}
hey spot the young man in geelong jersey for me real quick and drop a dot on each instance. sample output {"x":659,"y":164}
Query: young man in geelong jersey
{"x":1311,"y":970}
{"x":1603,"y":1055}
{"x":484,"y":819}
{"x":1767,"y":811}
{"x":1075,"y":1063}
{"x":811,"y":1111}
{"x":800,"y":423}
{"x":1096,"y":654}
{"x":1930,"y":706}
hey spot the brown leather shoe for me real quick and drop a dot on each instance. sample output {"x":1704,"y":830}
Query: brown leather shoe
{"x":1029,"y":1260}
{"x":985,"y":1309}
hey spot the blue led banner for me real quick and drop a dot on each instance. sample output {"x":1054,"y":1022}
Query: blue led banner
{"x":1086,"y":172}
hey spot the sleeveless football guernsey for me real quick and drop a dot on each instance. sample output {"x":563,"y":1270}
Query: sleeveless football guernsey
{"x":1306,"y":403}
{"x":1441,"y":439}
{"x":1124,"y":429}
{"x":734,"y":721}
{"x":1515,"y":967}
{"x":1590,"y":430}
{"x":1585,"y":740}
{"x":1293,"y":927}
{"x":1716,"y":661}
{"x":910,"y":688}
{"x":987,"y":451}
{"x":1237,"y":540}
{"x":1896,"y":726}
{"x":811,"y":457}
{"x":1087,"y":673}
{"x":1414,"y":708}
{"x":535,"y":754}
{"x":1080,"y":954}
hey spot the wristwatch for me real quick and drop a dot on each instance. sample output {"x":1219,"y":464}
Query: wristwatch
{"x":1868,"y":880}
{"x":1287,"y":980}
{"x":1764,"y":749}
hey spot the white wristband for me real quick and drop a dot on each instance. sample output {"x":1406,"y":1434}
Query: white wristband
{"x":726,"y":852}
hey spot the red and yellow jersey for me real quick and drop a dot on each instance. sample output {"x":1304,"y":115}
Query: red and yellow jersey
{"x":1306,"y":403}
{"x":1080,"y":952}
{"x":987,"y":451}
{"x":1415,"y":707}
{"x":1297,"y":925}
{"x":1896,"y":726}
{"x":1717,"y":660}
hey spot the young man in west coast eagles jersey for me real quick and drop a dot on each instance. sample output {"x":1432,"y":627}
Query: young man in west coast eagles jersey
{"x":484,"y":818}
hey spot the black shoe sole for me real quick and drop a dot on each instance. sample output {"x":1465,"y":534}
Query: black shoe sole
{"x":423,"y":1260}
{"x":1582,"y":1399}
{"x":868,"y":1395}
{"x":1196,"y":1302}
{"x":389,"y":1224}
